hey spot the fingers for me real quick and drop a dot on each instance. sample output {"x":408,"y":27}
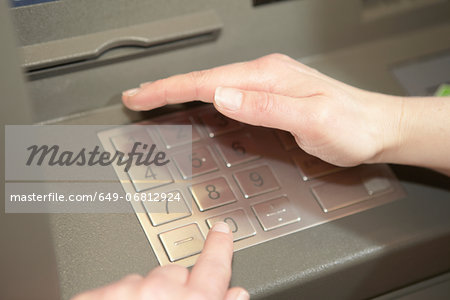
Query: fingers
{"x":261,"y":108}
{"x":198,"y":85}
{"x":126,"y":288}
{"x":272,"y":73}
{"x":171,"y":273}
{"x":212,"y":272}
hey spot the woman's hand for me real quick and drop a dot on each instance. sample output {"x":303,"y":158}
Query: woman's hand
{"x":208,"y":280}
{"x":336,"y":122}
{"x":329,"y":119}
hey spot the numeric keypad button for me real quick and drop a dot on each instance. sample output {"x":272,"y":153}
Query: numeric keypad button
{"x":149,"y":177}
{"x":312,"y":167}
{"x":237,"y":149}
{"x":195,"y":163}
{"x":256,"y":181}
{"x":180,"y":132}
{"x":275,"y":213}
{"x":166,"y":207}
{"x":238,"y":222}
{"x":217,"y":124}
{"x":127,"y":140}
{"x":182,"y":242}
{"x":348,"y":188}
{"x":212,"y":193}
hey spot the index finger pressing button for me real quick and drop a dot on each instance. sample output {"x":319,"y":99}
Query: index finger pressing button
{"x":238,"y":222}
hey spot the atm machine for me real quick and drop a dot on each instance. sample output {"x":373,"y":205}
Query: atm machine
{"x":77,"y":56}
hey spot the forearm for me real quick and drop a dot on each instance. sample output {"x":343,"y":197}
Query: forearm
{"x":420,"y":133}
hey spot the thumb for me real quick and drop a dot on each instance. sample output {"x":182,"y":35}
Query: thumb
{"x":259,"y":108}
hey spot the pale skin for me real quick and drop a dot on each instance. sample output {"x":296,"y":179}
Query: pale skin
{"x":208,"y":279}
{"x":336,"y":122}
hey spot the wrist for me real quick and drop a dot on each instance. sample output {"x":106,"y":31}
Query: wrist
{"x":416,"y":132}
{"x":392,"y":120}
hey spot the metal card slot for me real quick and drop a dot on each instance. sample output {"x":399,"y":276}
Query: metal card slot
{"x":92,"y":46}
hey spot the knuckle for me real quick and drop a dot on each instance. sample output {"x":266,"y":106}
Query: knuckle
{"x":265,"y":62}
{"x":270,"y":65}
{"x":318,"y":120}
{"x":323,"y":116}
{"x":198,"y":80}
{"x":278,"y":56}
{"x":199,"y":76}
{"x":264,"y":103}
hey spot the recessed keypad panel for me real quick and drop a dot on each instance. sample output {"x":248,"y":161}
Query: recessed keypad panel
{"x":255,"y":179}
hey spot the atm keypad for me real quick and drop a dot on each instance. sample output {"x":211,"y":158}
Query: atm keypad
{"x":255,"y":179}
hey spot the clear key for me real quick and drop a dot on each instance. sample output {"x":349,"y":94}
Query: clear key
{"x":182,"y":242}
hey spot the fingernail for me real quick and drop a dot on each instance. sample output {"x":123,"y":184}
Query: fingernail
{"x":243,"y":295}
{"x":131,"y":92}
{"x":145,"y":83}
{"x":228,"y":98}
{"x":221,"y":227}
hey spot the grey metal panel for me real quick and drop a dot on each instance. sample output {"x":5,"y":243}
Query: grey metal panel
{"x":27,"y":261}
{"x":436,"y":288}
{"x":296,"y":28}
{"x":91,"y":46}
{"x":359,"y":256}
